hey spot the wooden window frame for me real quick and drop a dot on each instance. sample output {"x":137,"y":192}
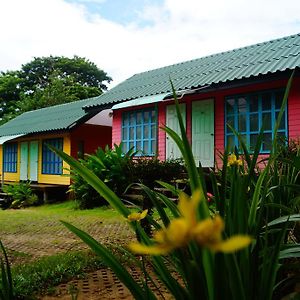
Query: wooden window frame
{"x":10,"y":157}
{"x":145,"y":145}
{"x":233,"y":118}
{"x":52,"y":164}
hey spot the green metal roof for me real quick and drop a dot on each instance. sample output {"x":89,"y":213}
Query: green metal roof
{"x":58,"y":117}
{"x":259,"y":59}
{"x":140,"y":101}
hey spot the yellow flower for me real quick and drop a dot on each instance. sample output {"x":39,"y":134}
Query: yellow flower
{"x":182,"y":230}
{"x":232,"y":160}
{"x":137,"y":216}
{"x":187,"y":207}
{"x":176,"y":235}
{"x":208,"y":233}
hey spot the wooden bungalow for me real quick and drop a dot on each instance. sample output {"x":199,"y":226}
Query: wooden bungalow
{"x":243,"y":87}
{"x":23,"y":142}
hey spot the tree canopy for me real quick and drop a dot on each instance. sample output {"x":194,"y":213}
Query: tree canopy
{"x":47,"y":81}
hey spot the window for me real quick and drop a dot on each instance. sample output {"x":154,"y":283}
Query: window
{"x":51,"y":163}
{"x":10,"y":157}
{"x":248,"y":113}
{"x":139,"y":131}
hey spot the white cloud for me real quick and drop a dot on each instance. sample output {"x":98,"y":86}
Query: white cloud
{"x":178,"y":30}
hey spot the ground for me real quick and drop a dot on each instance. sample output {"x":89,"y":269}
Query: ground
{"x":33,"y":232}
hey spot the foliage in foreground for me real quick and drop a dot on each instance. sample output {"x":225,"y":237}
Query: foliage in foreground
{"x":6,"y":284}
{"x":202,"y":254}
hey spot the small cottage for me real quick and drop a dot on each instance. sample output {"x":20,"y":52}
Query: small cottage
{"x":243,"y":88}
{"x":23,"y":142}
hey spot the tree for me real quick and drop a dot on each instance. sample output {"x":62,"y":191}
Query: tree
{"x":47,"y":81}
{"x":36,"y":73}
{"x":9,"y":92}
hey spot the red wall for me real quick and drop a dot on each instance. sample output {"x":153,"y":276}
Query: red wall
{"x":219,"y":96}
{"x":93,"y":137}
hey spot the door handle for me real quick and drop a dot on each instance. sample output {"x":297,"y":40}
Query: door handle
{"x":212,"y":134}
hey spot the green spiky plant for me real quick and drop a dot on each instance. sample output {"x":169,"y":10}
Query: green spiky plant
{"x":243,"y":199}
{"x":6,"y":282}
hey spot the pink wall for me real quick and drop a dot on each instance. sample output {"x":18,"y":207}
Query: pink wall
{"x":219,"y":96}
{"x":294,"y":110}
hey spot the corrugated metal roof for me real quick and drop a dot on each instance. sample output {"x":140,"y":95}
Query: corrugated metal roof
{"x":58,"y":117}
{"x":268,"y":57}
{"x":140,"y":101}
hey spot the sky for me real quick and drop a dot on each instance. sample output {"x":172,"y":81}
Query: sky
{"x":124,"y":37}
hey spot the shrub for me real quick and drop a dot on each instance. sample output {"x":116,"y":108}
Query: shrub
{"x":148,"y":171}
{"x":111,"y":166}
{"x":21,"y":194}
{"x":118,"y":171}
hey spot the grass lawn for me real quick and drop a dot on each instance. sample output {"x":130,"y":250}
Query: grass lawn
{"x":40,"y":248}
{"x":11,"y":220}
{"x":37,"y":231}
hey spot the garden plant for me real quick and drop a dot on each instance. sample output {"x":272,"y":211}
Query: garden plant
{"x":21,"y":194}
{"x":237,"y":251}
{"x":119,"y":170}
{"x":6,"y":282}
{"x":112,"y":166}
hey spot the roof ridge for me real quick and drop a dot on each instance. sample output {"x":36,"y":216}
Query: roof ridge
{"x":131,"y":79}
{"x":220,"y":53}
{"x":274,"y":55}
{"x":201,"y":73}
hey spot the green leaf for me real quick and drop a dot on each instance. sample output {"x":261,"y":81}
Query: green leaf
{"x":7,"y":289}
{"x":296,"y":162}
{"x":168,"y":186}
{"x":153,"y":197}
{"x":291,"y":218}
{"x":281,"y":112}
{"x":290,"y":252}
{"x":171,"y":205}
{"x":255,"y":200}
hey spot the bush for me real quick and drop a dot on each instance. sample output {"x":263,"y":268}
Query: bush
{"x":111,"y":166}
{"x":118,"y":171}
{"x":147,"y":171}
{"x":21,"y":194}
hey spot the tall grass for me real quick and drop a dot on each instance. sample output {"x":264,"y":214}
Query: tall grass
{"x":6,"y":284}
